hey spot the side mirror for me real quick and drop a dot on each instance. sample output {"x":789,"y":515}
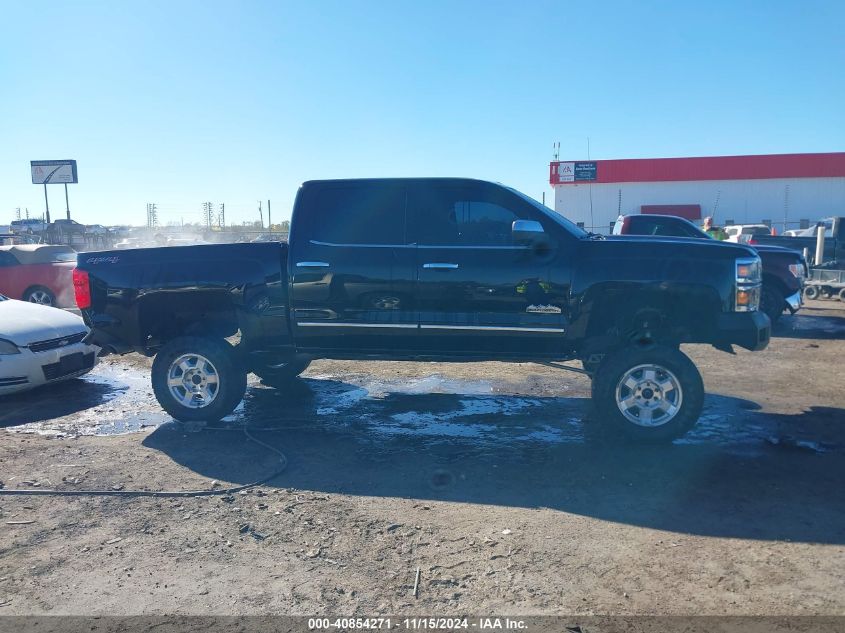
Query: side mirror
{"x":528,"y":232}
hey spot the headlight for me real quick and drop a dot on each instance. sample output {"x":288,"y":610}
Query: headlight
{"x":797,"y":270}
{"x":7,"y":347}
{"x":749,"y":275}
{"x":748,"y":270}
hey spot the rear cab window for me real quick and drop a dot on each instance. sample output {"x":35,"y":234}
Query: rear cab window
{"x":357,"y":214}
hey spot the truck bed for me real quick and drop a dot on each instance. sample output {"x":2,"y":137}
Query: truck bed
{"x":236,"y":286}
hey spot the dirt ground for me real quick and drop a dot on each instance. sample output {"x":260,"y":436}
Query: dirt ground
{"x":477,"y":475}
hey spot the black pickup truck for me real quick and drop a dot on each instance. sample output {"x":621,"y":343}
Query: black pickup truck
{"x":429,"y":269}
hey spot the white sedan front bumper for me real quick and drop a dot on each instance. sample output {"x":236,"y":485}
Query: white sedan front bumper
{"x":29,"y":369}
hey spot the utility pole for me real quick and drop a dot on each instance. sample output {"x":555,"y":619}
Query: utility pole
{"x":261,"y":214}
{"x":47,"y":203}
{"x":18,"y":213}
{"x":221,"y":218}
{"x":269,"y":221}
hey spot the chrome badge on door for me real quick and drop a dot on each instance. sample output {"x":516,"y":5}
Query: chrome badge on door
{"x":543,"y":309}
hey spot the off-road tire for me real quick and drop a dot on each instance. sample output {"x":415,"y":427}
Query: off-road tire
{"x":607,"y":415}
{"x":231,"y":378}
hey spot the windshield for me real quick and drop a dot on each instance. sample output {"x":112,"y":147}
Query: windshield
{"x":573,"y":228}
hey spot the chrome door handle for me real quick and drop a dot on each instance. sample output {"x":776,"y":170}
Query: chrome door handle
{"x":440,"y":266}
{"x":312,"y":264}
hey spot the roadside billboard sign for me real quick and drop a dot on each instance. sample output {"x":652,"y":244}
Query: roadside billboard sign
{"x":46,"y":172}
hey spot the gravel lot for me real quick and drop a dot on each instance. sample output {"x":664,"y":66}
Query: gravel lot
{"x":478,"y":475}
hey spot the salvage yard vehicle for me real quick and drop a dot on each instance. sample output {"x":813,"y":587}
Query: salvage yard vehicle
{"x":826,"y":282}
{"x":39,"y":273}
{"x":434,"y":269}
{"x":784,"y":270}
{"x":834,"y":241}
{"x":41,"y":345}
{"x":742,"y":233}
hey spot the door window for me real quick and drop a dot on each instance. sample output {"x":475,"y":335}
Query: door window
{"x":464,"y":217}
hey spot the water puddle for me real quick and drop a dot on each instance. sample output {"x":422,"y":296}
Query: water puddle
{"x":115,"y":399}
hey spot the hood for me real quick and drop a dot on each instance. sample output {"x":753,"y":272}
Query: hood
{"x":653,"y":245}
{"x":768,"y":248}
{"x":24,"y":323}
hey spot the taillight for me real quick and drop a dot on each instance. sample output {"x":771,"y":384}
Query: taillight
{"x":751,"y":241}
{"x":82,"y":289}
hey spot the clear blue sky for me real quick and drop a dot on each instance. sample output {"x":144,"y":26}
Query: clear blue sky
{"x":182,"y":102}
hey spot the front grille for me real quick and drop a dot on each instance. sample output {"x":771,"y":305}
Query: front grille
{"x":67,"y":365}
{"x":14,"y":380}
{"x":54,"y":343}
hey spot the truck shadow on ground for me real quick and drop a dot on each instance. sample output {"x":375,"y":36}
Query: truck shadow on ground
{"x":742,"y":473}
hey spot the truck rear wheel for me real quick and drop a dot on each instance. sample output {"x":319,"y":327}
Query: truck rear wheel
{"x":647,"y":394}
{"x":811,"y":292}
{"x":280,"y":376}
{"x":198,"y":379}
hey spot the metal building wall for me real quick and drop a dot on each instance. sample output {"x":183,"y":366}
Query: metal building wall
{"x":781,"y":200}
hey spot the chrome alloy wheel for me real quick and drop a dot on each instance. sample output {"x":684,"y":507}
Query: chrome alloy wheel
{"x":40,"y":297}
{"x":649,"y":395}
{"x":193,"y":381}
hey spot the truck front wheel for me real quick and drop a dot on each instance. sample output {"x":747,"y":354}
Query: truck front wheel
{"x":652,"y":394}
{"x":196,"y":378}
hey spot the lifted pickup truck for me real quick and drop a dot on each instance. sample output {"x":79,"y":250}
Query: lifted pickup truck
{"x":429,"y":269}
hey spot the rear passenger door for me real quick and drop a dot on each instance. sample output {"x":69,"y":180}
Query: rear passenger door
{"x":353,"y":270}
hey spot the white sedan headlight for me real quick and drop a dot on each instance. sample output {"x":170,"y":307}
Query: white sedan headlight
{"x":7,"y":347}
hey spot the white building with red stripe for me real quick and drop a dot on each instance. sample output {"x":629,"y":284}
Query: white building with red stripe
{"x":787,"y":191}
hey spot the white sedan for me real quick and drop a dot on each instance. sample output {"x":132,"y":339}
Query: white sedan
{"x":40,"y":345}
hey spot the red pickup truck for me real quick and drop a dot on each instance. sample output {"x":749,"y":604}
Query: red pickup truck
{"x":39,"y":273}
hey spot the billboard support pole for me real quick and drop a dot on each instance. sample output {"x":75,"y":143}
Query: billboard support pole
{"x":67,"y":205}
{"x":47,"y":203}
